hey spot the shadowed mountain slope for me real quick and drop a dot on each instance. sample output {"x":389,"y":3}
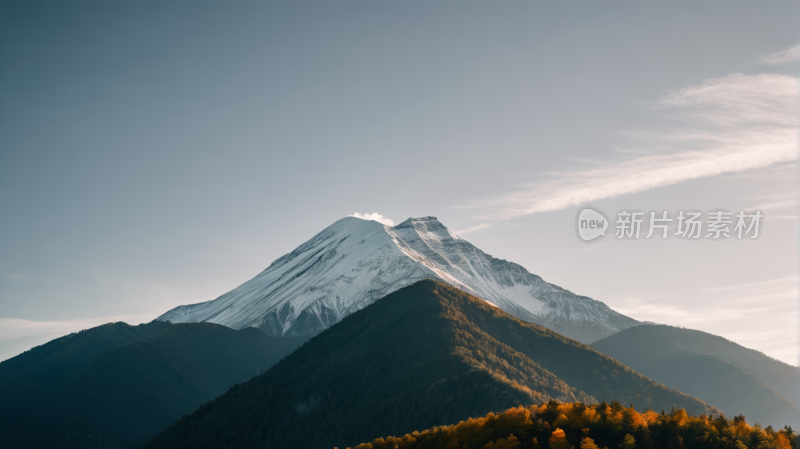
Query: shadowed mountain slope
{"x":116,"y":385}
{"x":428,"y":354}
{"x":736,"y":379}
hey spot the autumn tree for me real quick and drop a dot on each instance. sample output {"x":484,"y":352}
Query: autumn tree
{"x":504,"y":443}
{"x":559,"y":441}
{"x":629,"y":442}
{"x":588,"y":443}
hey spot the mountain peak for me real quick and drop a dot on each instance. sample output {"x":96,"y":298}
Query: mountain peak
{"x":354,"y":262}
{"x":413,"y":220}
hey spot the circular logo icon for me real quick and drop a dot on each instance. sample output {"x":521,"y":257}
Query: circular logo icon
{"x":590,"y":224}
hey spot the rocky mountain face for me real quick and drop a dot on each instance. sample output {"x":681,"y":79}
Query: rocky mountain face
{"x":354,"y":262}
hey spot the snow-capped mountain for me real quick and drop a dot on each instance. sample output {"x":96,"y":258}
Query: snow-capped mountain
{"x":354,"y":262}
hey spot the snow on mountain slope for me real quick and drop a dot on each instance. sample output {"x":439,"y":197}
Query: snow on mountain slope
{"x":355,"y":262}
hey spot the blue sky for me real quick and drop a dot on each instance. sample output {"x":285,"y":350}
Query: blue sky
{"x":154,"y":154}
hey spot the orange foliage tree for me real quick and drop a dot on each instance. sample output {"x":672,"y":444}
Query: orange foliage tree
{"x":556,"y":425}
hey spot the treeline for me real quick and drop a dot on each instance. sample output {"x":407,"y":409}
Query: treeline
{"x":575,"y":425}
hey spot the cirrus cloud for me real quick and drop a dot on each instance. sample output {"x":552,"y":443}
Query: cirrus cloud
{"x":782,"y":57}
{"x":724,"y":125}
{"x":472,"y":229}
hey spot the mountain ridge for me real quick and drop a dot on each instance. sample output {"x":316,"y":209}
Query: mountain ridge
{"x":354,"y":262}
{"x":116,"y":385}
{"x":427,"y":354}
{"x":712,"y":368}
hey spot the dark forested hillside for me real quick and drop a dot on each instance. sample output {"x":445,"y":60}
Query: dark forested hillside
{"x":736,"y":379}
{"x":569,"y":426}
{"x":116,"y":385}
{"x":426,"y":355}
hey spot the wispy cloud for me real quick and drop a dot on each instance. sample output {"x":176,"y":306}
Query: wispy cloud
{"x":782,"y":57}
{"x":781,"y":202}
{"x":374,"y":216}
{"x":18,"y":328}
{"x":770,"y":306}
{"x":472,"y":229}
{"x":724,"y":125}
{"x":18,"y":335}
{"x":129,"y":299}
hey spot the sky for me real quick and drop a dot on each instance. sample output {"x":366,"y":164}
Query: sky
{"x":156,"y":153}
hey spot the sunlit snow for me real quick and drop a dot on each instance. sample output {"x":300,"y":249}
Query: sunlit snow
{"x":355,"y":262}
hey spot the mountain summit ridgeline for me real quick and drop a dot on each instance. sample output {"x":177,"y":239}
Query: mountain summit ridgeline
{"x":426,"y":355}
{"x":354,"y":262}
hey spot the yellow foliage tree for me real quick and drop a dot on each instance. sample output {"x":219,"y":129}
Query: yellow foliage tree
{"x":782,"y":442}
{"x":606,"y":423}
{"x":588,"y":443}
{"x":629,"y":442}
{"x":559,"y":441}
{"x":504,"y":443}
